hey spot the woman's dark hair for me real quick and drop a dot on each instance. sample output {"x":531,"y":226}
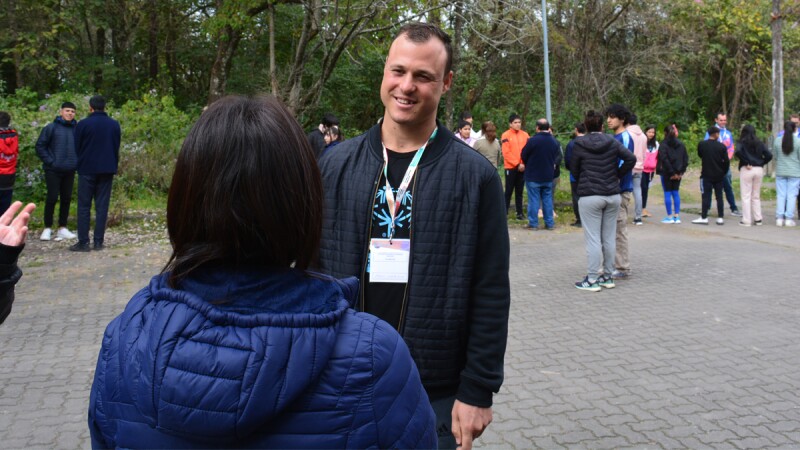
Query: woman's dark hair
{"x":747,"y":138}
{"x":462,"y":124}
{"x":335,"y":130}
{"x":670,"y":133}
{"x":246,"y":190}
{"x":651,"y":142}
{"x":580,"y":127}
{"x":787,"y":144}
{"x":593,"y":121}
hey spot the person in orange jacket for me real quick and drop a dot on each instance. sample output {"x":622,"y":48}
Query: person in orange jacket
{"x":513,"y":140}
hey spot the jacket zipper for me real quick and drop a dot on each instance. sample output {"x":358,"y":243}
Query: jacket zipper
{"x":403,"y":305}
{"x":361,"y":301}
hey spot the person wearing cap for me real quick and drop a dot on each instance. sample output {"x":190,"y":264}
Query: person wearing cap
{"x":56,"y":148}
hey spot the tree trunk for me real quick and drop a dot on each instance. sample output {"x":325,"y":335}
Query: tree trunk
{"x":152,"y":40}
{"x":273,"y":74}
{"x":228,"y":41}
{"x":458,"y":25}
{"x":100,"y":53}
{"x":777,"y":69}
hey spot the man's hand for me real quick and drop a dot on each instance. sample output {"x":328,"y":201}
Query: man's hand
{"x":469,"y":422}
{"x":13,"y":229}
{"x":521,"y":167}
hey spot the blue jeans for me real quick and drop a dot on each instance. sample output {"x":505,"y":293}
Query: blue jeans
{"x":540,"y":194}
{"x":95,"y":187}
{"x":787,"y":196}
{"x":727,"y":185}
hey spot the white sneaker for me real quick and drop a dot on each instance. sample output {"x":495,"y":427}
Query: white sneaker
{"x":779,"y":222}
{"x":64,"y":233}
{"x":790,"y":223}
{"x":701,"y":221}
{"x":46,"y":234}
{"x":720,"y":221}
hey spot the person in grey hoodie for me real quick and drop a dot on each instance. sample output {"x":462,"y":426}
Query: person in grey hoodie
{"x":596,"y":166}
{"x":56,"y":148}
{"x":639,"y":150}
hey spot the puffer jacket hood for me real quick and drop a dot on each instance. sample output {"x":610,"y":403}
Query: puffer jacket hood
{"x":235,"y":367}
{"x":596,"y":142}
{"x":596,"y":164}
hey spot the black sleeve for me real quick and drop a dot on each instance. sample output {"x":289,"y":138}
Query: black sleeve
{"x":685,"y":159}
{"x":726,"y":162}
{"x":43,"y":145}
{"x":767,"y":155}
{"x":9,"y":275}
{"x":526,"y":152}
{"x":568,"y":155}
{"x":490,"y":298}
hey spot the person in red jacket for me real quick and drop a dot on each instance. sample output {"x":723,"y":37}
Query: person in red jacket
{"x":512,"y":141}
{"x":9,"y":152}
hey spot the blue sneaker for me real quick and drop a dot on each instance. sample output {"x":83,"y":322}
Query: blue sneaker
{"x":676,"y":219}
{"x":586,"y":285}
{"x":667,"y":220}
{"x":606,"y":281}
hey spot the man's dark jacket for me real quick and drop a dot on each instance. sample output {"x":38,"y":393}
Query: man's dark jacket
{"x":715,"y":162}
{"x":317,"y":141}
{"x":595,"y":163}
{"x":456,"y":316}
{"x":541,"y":155}
{"x":97,"y":144}
{"x":56,"y":146}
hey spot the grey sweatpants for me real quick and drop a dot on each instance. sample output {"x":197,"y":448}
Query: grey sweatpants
{"x":599,"y":219}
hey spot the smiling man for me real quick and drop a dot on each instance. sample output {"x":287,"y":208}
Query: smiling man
{"x":418,"y":217}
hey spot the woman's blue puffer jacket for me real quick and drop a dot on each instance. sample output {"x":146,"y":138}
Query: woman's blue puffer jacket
{"x":255,"y":358}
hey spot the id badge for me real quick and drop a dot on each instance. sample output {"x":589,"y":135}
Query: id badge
{"x":388,"y":262}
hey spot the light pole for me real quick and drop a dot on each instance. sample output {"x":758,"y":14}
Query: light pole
{"x":546,"y":64}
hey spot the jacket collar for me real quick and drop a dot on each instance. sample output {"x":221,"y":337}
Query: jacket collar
{"x":433,"y":151}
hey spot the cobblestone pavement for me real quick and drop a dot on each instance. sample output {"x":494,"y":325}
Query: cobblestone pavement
{"x":699,"y":349}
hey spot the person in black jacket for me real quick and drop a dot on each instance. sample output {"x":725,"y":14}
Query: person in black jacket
{"x":316,"y":137}
{"x":12,"y":240}
{"x":595,"y":163}
{"x":438,"y":272}
{"x":753,"y":155}
{"x":97,"y":145}
{"x":715,"y":164}
{"x":56,"y":148}
{"x":673,"y":160}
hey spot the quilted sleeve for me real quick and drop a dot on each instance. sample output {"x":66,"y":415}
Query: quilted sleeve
{"x":99,"y":426}
{"x":403,"y":413}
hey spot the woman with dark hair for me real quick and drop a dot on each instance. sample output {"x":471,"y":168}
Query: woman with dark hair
{"x":753,"y":156}
{"x":464,"y":132}
{"x":236,"y":343}
{"x":650,"y":162}
{"x":595,"y":163}
{"x":333,"y":137}
{"x":673,"y":160}
{"x":787,"y":174}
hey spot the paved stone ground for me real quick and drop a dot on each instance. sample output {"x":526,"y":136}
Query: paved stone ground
{"x":700,"y":349}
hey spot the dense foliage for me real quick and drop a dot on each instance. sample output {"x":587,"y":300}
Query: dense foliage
{"x":160,"y":61}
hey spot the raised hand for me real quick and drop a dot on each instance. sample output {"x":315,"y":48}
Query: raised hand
{"x":13,"y":229}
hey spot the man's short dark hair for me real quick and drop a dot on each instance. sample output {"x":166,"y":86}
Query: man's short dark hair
{"x":712,"y":130}
{"x":466,"y":115}
{"x":421,"y":33}
{"x":98,"y":103}
{"x":329,"y":120}
{"x":514,"y":117}
{"x":68,"y":105}
{"x":619,"y":111}
{"x":580,"y":127}
{"x":542,"y":125}
{"x":5,"y":119}
{"x":593,"y":121}
{"x":254,"y":151}
{"x":633,"y":120}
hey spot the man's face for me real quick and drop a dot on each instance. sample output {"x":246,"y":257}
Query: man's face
{"x":414,"y":81}
{"x":491,"y":134}
{"x":796,"y":121}
{"x":722,"y":120}
{"x":614,"y":123}
{"x":516,"y":124}
{"x":67,"y":114}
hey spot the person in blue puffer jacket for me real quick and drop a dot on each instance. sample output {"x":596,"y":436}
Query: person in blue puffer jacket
{"x":236,"y":343}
